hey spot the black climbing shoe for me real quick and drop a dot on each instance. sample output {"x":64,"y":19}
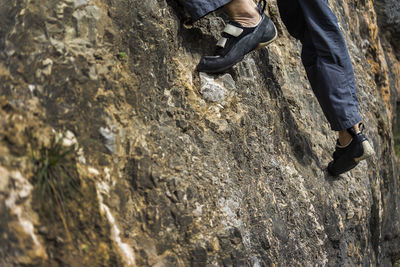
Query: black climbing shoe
{"x":237,"y":41}
{"x":346,"y":158}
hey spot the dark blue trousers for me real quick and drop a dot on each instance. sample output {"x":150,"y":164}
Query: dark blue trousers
{"x":324,"y":54}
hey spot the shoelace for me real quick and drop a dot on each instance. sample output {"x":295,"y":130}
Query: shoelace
{"x":261,"y":5}
{"x":353,"y":132}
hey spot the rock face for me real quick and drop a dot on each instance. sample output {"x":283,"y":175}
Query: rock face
{"x":389,"y":19}
{"x":170,"y":167}
{"x":388,"y":12}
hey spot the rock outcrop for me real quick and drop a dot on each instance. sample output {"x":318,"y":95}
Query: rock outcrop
{"x":144,"y":161}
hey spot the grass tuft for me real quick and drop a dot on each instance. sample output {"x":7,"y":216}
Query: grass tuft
{"x":55,"y":178}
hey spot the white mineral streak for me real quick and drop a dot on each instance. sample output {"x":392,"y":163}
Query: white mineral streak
{"x":15,"y":202}
{"x":81,"y":156}
{"x":93,"y":171}
{"x":125,"y":249}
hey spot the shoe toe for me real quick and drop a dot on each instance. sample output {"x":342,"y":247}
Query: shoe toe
{"x":212,"y":64}
{"x":331,"y":170}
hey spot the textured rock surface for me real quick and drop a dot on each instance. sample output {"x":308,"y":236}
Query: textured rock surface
{"x":178,"y":168}
{"x":388,"y":12}
{"x":389,"y":19}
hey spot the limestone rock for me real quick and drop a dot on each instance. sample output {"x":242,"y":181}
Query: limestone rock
{"x":218,"y":89}
{"x":173,"y":167}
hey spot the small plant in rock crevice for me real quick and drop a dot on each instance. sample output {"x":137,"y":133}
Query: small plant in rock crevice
{"x":122,"y":55}
{"x":55,"y":178}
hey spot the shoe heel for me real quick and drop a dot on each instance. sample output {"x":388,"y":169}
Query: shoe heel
{"x":261,"y":45}
{"x":368,"y":151}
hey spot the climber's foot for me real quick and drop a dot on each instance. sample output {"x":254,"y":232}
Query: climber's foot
{"x":236,"y":42}
{"x":347,"y":157}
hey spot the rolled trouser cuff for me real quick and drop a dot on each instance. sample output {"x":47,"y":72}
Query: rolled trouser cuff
{"x":200,"y":8}
{"x":344,"y":125}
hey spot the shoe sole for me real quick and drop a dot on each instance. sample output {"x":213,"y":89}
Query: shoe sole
{"x":224,"y":68}
{"x":368,"y":152}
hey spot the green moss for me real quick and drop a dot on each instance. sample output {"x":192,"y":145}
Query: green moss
{"x":273,"y":11}
{"x":122,"y":55}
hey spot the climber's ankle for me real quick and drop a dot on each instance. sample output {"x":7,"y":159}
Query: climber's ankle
{"x":244,"y":12}
{"x":345,"y":137}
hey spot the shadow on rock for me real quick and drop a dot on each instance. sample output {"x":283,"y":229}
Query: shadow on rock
{"x":299,"y":141}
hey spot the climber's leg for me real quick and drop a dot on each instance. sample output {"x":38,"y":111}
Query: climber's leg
{"x":292,"y":16}
{"x":330,"y":72}
{"x":328,"y":65}
{"x":310,"y":57}
{"x":325,"y":58}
